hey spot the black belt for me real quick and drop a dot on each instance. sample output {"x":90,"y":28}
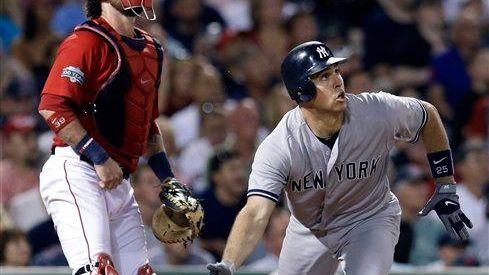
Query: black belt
{"x":86,"y":269}
{"x":125,"y":173}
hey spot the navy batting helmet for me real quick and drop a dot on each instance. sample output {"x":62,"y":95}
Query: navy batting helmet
{"x":303,"y":61}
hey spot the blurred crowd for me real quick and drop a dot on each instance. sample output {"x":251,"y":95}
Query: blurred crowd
{"x":222,"y":93}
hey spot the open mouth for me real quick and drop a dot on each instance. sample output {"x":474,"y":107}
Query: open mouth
{"x":341,"y":95}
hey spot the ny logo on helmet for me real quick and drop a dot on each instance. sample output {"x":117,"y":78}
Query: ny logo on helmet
{"x":323,"y":53}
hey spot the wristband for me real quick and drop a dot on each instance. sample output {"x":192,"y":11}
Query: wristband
{"x":92,"y":150}
{"x":441,"y":163}
{"x":161,"y":166}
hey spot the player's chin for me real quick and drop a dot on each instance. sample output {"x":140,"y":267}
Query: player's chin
{"x":340,"y":103}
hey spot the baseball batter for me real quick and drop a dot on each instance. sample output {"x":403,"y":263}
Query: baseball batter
{"x":101,"y":101}
{"x":330,"y":156}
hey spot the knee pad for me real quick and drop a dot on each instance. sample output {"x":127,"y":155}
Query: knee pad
{"x":146,"y":270}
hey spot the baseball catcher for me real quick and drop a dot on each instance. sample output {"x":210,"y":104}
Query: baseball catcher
{"x":179,"y":218}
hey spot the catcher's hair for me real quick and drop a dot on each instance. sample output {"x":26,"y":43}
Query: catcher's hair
{"x":93,"y":8}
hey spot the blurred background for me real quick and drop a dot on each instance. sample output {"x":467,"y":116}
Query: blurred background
{"x":221,"y":94}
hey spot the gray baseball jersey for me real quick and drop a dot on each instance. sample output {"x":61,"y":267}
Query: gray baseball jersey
{"x":331,"y":191}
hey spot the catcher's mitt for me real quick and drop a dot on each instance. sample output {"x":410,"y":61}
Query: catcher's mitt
{"x":179,"y":218}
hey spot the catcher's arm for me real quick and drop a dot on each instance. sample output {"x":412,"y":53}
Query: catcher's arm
{"x":247,"y":230}
{"x":156,"y":155}
{"x":72,"y":132}
{"x":444,"y":200}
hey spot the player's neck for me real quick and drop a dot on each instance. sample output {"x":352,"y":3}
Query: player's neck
{"x":124,"y":25}
{"x":323,"y":124}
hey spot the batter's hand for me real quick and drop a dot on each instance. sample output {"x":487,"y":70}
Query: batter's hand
{"x":445,"y":203}
{"x":110,"y":174}
{"x":222,"y":268}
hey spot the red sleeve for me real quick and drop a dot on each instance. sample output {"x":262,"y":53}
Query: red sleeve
{"x":83,"y":63}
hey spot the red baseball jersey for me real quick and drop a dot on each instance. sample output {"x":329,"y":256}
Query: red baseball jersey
{"x":87,"y":62}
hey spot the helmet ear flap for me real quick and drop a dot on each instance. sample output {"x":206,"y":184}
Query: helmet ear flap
{"x":305,"y":92}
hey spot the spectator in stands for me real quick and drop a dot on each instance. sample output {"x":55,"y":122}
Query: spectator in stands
{"x":236,"y":13}
{"x":180,"y":254}
{"x":9,"y":27}
{"x":452,"y":253}
{"x":66,"y":16}
{"x":230,"y":56}
{"x":418,"y":237}
{"x":269,"y":32}
{"x":302,"y":27}
{"x":5,"y":219}
{"x":17,"y":94}
{"x":179,"y":85}
{"x":246,"y":130}
{"x":273,"y":237}
{"x":195,"y":156}
{"x":207,"y":92}
{"x":392,"y":35}
{"x":479,"y":77}
{"x":223,"y":199}
{"x":184,"y":20}
{"x":473,"y":169}
{"x":255,"y":72}
{"x":19,"y":166}
{"x":36,"y":47}
{"x":450,"y":73}
{"x":277,"y":104}
{"x":359,"y":81}
{"x":479,"y":121}
{"x":411,"y":156}
{"x":14,"y":248}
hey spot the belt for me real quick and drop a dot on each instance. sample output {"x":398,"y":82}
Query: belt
{"x":125,"y":173}
{"x":86,"y":269}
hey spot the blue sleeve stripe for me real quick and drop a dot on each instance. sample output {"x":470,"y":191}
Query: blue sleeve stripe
{"x":263,"y":196}
{"x":263,"y":193}
{"x":423,"y":123}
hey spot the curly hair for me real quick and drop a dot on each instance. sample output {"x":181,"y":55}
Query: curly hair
{"x":93,"y":8}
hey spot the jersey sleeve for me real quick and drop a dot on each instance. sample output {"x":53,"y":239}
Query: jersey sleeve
{"x":84,"y":61}
{"x":269,"y":172}
{"x":406,"y":116}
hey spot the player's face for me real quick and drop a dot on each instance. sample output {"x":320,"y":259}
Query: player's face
{"x":138,"y":8}
{"x":330,"y":90}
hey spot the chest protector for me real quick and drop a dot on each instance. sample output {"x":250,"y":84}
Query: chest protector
{"x":120,"y":115}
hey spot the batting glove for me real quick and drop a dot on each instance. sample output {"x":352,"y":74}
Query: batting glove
{"x":445,"y":203}
{"x":222,"y":268}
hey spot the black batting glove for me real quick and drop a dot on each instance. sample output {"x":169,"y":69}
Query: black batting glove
{"x":445,"y":203}
{"x":222,"y":268}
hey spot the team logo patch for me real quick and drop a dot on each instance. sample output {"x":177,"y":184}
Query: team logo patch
{"x":74,"y":74}
{"x":323,"y":53}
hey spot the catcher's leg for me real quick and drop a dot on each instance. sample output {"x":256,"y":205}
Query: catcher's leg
{"x":370,"y":247}
{"x":127,"y":231}
{"x":303,"y":254}
{"x":70,"y":192}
